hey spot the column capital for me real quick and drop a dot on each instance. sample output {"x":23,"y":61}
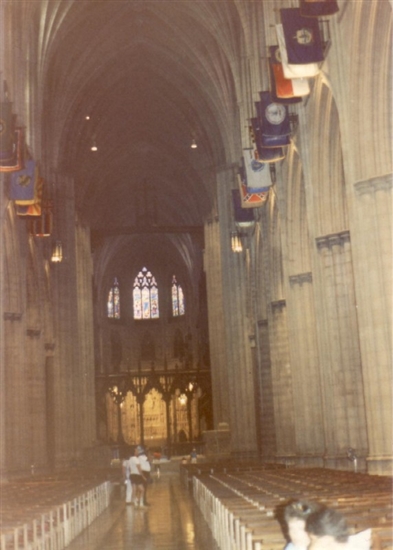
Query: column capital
{"x":300,"y":278}
{"x":278,"y":304}
{"x":328,"y":241}
{"x":378,"y":183}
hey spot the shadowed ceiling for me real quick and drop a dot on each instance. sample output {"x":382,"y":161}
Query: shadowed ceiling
{"x":152,"y":76}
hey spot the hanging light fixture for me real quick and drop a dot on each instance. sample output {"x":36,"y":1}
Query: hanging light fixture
{"x":236,"y":243}
{"x":94,"y":147}
{"x":57,"y":252}
{"x":193,"y":144}
{"x":182,"y":398}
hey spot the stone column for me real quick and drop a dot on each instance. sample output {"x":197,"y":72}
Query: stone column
{"x":373,"y":278}
{"x":306,"y":382}
{"x":282,"y":381}
{"x":340,"y":361}
{"x":217,"y":337}
{"x":86,"y":384}
{"x":266,"y":398}
{"x":237,"y":320}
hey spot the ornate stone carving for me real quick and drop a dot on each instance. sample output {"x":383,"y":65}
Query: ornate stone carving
{"x":33,"y":332}
{"x":300,"y":278}
{"x":278,"y":304}
{"x":378,"y":183}
{"x":328,"y":241}
{"x":12,"y":316}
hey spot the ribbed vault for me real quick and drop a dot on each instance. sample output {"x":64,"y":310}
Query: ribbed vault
{"x":151,"y":76}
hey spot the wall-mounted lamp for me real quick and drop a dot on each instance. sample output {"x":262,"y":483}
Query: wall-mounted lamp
{"x":193,"y":144}
{"x":57,"y":252}
{"x":236,"y":243}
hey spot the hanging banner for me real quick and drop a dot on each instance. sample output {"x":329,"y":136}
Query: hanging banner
{"x":302,"y":37}
{"x":269,"y":154}
{"x":273,"y":117}
{"x":261,"y":153}
{"x":32,"y":209}
{"x":254,"y":174}
{"x":42,"y":226}
{"x":285,"y":88}
{"x":23,"y":184}
{"x":244,"y":217}
{"x":6,"y":132}
{"x":307,"y":70}
{"x":252,"y":198}
{"x":15,"y":163}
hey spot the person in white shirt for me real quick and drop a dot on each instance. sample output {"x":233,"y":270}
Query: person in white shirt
{"x":137,"y":477}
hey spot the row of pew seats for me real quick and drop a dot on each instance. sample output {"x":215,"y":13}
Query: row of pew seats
{"x":244,"y":506}
{"x":49,"y":511}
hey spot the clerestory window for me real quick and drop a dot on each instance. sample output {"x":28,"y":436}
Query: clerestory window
{"x":145,"y":296}
{"x":177,"y":298}
{"x":113,"y":303}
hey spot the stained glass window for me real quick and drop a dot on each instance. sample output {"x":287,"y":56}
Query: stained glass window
{"x":145,"y":296}
{"x":113,"y":304}
{"x":177,"y":298}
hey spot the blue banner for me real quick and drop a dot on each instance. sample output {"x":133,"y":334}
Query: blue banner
{"x":302,"y":37}
{"x":23,"y":184}
{"x":273,"y":117}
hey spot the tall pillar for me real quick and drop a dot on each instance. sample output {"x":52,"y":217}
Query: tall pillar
{"x":373,"y":277}
{"x":217,"y":336}
{"x":282,"y":381}
{"x":306,"y":379}
{"x":340,"y":360}
{"x":238,"y":320}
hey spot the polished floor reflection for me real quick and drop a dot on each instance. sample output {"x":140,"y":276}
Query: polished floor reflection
{"x":171,"y":522}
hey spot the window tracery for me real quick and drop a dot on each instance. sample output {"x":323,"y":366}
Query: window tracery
{"x":145,"y":296}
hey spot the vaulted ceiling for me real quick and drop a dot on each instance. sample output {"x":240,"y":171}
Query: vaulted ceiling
{"x":151,"y":76}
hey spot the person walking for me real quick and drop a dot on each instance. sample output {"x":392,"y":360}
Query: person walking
{"x":137,"y":477}
{"x":146,"y":471}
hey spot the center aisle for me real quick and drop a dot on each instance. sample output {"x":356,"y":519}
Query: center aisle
{"x":171,"y":522}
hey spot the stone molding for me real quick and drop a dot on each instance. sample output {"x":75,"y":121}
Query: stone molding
{"x":300,"y":278}
{"x":278,"y":304}
{"x":50,"y":346}
{"x":328,"y":241}
{"x":33,"y":332}
{"x":11,"y":316}
{"x":379,"y":183}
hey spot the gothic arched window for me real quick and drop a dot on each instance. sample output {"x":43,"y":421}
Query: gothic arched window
{"x":177,"y":298}
{"x":113,"y":304}
{"x":145,"y":296}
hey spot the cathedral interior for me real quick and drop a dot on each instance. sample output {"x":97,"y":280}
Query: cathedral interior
{"x":140,"y":304}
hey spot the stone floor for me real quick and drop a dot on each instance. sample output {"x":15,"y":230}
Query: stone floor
{"x":171,"y":522}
